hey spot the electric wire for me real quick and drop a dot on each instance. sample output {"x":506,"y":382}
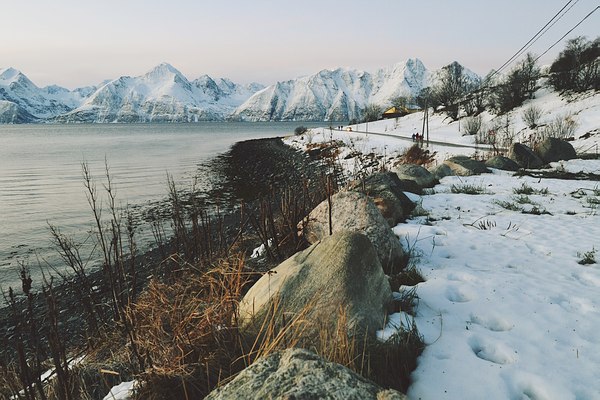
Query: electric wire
{"x":539,"y":33}
{"x":571,"y":30}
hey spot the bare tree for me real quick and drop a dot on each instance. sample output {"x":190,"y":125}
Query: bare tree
{"x":372,"y":112}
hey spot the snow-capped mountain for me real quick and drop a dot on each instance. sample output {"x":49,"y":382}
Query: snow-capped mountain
{"x":165,"y":95}
{"x":334,"y":95}
{"x":161,"y":95}
{"x":22,"y":101}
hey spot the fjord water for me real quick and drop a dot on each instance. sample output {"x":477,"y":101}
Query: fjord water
{"x":41,"y":176}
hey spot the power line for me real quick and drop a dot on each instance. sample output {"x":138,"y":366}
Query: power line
{"x":553,"y":23}
{"x":539,"y":33}
{"x":571,"y":30}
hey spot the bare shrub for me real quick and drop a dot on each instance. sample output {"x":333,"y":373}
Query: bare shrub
{"x":417,"y":155}
{"x":473,"y":125}
{"x":531,"y":116}
{"x":562,"y":127}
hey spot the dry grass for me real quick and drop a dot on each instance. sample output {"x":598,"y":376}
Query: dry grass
{"x":417,"y":155}
{"x":187,"y":331}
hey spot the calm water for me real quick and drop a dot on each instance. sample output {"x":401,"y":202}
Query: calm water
{"x":41,"y":177}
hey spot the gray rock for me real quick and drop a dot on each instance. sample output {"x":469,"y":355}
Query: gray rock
{"x":301,"y":375}
{"x":416,"y":173}
{"x":503,"y":163}
{"x":339,"y":272}
{"x":441,"y":171}
{"x":466,"y":166}
{"x":386,"y":191}
{"x":356,"y":212}
{"x":552,"y":149}
{"x":524,"y":156}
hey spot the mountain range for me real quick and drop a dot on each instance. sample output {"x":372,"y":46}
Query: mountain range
{"x":164,"y":94}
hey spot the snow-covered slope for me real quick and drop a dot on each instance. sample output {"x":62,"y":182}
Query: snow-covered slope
{"x":334,"y":95}
{"x":161,"y":95}
{"x":22,"y":101}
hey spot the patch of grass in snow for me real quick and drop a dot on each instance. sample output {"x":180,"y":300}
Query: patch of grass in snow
{"x":508,"y":205}
{"x":587,"y":258}
{"x":536,"y":211}
{"x":523,"y":199}
{"x":468,"y":188}
{"x":393,"y":361}
{"x":528,"y":190}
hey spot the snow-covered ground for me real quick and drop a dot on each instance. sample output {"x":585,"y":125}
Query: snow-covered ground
{"x":508,"y":309}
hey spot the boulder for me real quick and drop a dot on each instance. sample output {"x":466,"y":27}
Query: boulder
{"x":408,"y":185}
{"x":301,"y":374}
{"x":339,"y":272}
{"x":417,"y":174}
{"x":441,"y":171}
{"x":503,"y":163}
{"x":356,"y":212}
{"x":466,"y":166}
{"x":553,"y":149}
{"x":524,"y":156}
{"x":386,"y":191}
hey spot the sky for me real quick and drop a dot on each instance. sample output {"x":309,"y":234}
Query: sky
{"x":76,"y":43}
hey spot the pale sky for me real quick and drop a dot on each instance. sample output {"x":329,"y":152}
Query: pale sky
{"x":76,"y":43}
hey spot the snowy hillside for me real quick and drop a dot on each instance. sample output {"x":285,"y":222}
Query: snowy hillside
{"x":161,"y":95}
{"x":509,"y":307}
{"x":336,"y":95}
{"x":22,"y":101}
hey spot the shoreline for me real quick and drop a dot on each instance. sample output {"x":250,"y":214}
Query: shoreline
{"x":249,"y":170}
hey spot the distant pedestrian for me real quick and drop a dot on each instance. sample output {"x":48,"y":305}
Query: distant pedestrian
{"x":414,"y":136}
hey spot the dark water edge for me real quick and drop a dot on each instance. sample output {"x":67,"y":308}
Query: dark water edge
{"x":248,"y":171}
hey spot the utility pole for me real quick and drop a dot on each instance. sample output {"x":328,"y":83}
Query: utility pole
{"x":426,"y":120}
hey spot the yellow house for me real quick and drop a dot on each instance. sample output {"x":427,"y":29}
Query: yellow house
{"x":395,"y":112}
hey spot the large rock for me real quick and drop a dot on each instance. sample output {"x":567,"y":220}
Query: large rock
{"x":356,"y":212}
{"x":553,"y":149}
{"x":302,"y":375}
{"x":339,"y":272}
{"x":503,"y":163}
{"x":416,"y":173}
{"x":466,"y":166}
{"x":524,"y":156}
{"x":387,"y":192}
{"x":442,"y":171}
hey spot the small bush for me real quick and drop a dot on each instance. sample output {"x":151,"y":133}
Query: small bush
{"x":531,"y":116}
{"x":417,"y":155}
{"x":563,"y":127}
{"x":587,"y":258}
{"x":472,"y":125}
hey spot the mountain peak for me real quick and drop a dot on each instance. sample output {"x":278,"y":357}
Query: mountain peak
{"x":9,"y":74}
{"x":164,"y":70}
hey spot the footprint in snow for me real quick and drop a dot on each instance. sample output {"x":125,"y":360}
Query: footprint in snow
{"x":461,"y":277}
{"x":459,"y":294}
{"x":492,"y":322}
{"x":495,"y":352}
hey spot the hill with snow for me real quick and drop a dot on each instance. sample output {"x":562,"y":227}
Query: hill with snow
{"x":22,"y":101}
{"x":161,"y":95}
{"x":334,"y":95}
{"x":164,"y":94}
{"x":509,"y":306}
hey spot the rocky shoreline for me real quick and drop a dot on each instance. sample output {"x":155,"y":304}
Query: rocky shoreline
{"x":249,"y":171}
